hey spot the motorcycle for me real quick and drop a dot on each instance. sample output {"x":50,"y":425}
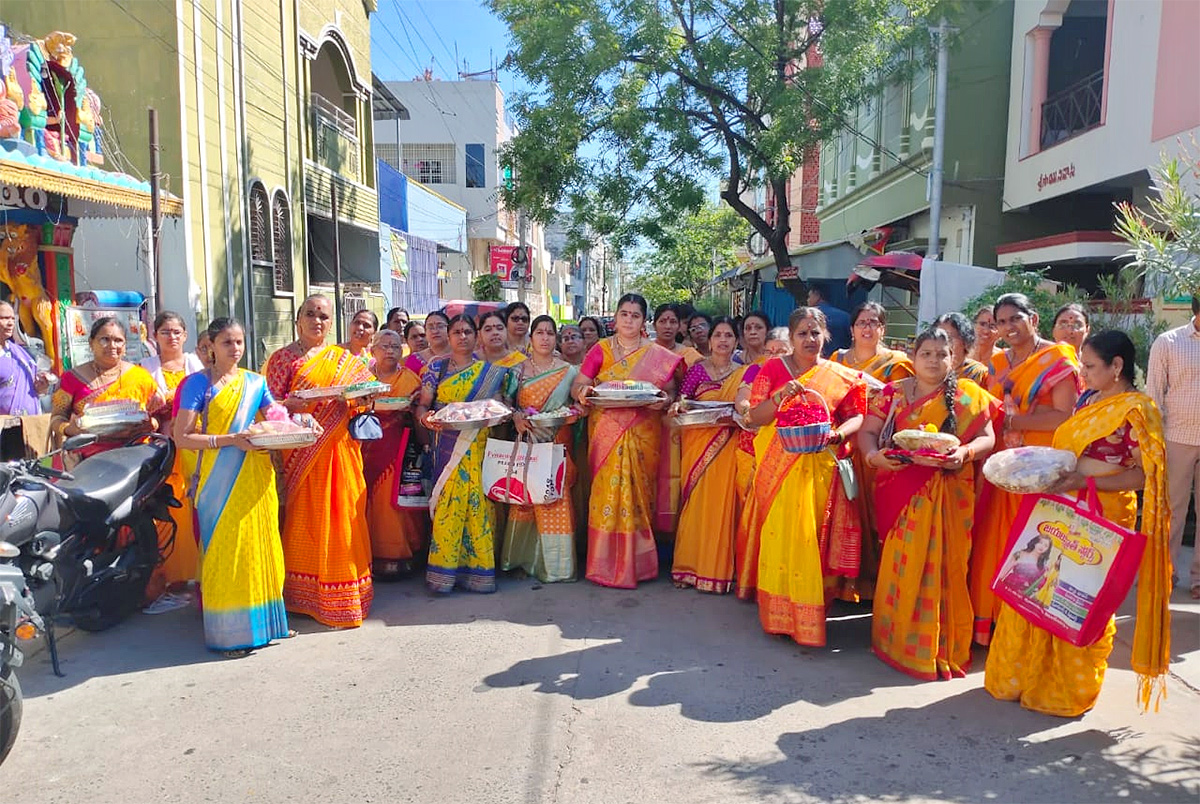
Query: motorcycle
{"x":19,"y":620}
{"x":86,"y":540}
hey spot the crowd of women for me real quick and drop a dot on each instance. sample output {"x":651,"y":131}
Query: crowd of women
{"x":731,"y":508}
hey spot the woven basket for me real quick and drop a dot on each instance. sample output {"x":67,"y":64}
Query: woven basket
{"x":805,"y":439}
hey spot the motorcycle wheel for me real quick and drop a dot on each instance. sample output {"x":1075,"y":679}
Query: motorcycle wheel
{"x":11,"y":706}
{"x":121,"y":600}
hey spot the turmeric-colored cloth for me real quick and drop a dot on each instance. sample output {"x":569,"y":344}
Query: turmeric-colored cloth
{"x":704,"y":543}
{"x":922,"y":611}
{"x":1050,"y":675}
{"x":511,"y":359}
{"x":540,"y":539}
{"x":182,"y":560}
{"x":887,"y":365}
{"x":462,"y":547}
{"x":397,"y":534}
{"x":666,"y":499}
{"x":807,"y":530}
{"x":74,"y":395}
{"x":242,"y":571}
{"x":1028,"y":384}
{"x":745,"y":551}
{"x":623,"y":451}
{"x":974,"y":371}
{"x":326,"y":546}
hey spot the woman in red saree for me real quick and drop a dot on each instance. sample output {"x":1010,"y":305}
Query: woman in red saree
{"x":809,"y":532}
{"x":624,"y":446}
{"x":1038,"y":382}
{"x":326,"y":546}
{"x":925,"y":509}
{"x":704,"y":544}
{"x":397,"y":534}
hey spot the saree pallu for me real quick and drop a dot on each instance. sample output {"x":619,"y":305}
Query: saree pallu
{"x":806,"y":527}
{"x":326,"y":546}
{"x":462,"y":549}
{"x":745,"y":551}
{"x":1030,"y":384}
{"x":1050,"y":675}
{"x":540,"y":539}
{"x":670,"y":465}
{"x":624,"y":455}
{"x":704,"y":545}
{"x":397,"y":534}
{"x":237,"y":512}
{"x":921,"y":623}
{"x":886,"y":366}
{"x":974,"y":371}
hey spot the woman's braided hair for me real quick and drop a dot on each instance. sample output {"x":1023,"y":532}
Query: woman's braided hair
{"x":950,"y":385}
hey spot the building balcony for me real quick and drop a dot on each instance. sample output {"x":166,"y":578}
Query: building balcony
{"x":1072,"y":111}
{"x":334,"y":138}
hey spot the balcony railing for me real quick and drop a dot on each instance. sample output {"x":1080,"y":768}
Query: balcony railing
{"x":335,"y":138}
{"x":1072,"y":111}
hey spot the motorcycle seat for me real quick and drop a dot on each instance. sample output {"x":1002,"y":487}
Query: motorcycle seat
{"x":102,"y":482}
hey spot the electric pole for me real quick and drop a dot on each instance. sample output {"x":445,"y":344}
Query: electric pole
{"x":936,"y":175}
{"x":155,"y":217}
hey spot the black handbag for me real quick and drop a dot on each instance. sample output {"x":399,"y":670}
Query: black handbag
{"x":365,"y":427}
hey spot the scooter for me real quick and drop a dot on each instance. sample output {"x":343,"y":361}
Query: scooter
{"x":19,"y":620}
{"x":87,"y":540}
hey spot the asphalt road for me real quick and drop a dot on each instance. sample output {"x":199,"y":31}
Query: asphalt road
{"x":570,"y":693}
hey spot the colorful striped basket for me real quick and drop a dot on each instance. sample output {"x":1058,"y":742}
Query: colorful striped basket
{"x":807,"y":438}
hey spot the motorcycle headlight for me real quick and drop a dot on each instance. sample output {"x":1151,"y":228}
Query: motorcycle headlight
{"x":9,"y":550}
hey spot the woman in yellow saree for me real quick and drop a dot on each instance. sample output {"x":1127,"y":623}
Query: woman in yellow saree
{"x":462,"y":549}
{"x":1116,"y":433}
{"x":493,"y":344}
{"x":808,"y":530}
{"x":237,"y":509}
{"x":868,"y":354}
{"x":750,"y":446}
{"x":540,"y":539}
{"x":1038,"y":382}
{"x":397,"y":534}
{"x":104,"y":378}
{"x":326,"y":546}
{"x":623,"y":449}
{"x":922,"y":612}
{"x":704,"y":544}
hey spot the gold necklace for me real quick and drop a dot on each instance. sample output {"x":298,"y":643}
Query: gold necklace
{"x":625,"y":350}
{"x":540,"y":369}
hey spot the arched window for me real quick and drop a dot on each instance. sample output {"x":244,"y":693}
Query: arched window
{"x":260,"y":233}
{"x":281,"y":236}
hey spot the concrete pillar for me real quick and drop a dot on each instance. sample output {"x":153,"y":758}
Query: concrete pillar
{"x":1041,"y":70}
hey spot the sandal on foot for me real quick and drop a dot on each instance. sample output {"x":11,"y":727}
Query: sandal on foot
{"x":236,"y":654}
{"x":291,"y":634}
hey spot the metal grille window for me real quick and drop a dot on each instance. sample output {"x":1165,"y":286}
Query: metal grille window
{"x":260,"y":214}
{"x":475,"y":166}
{"x":430,"y":164}
{"x":389,"y":152}
{"x":281,"y":235}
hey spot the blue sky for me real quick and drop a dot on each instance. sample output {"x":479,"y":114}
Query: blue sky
{"x":408,"y":36}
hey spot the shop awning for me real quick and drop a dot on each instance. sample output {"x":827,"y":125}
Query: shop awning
{"x":103,"y":194}
{"x":1064,"y":248}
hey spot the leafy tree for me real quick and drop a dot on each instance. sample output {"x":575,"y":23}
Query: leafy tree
{"x":1164,"y":241}
{"x":486,"y":287}
{"x":640,"y":106}
{"x":689,"y":254}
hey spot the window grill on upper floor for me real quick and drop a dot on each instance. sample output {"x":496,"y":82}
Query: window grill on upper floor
{"x":281,"y":230}
{"x":430,"y":163}
{"x":260,"y":233}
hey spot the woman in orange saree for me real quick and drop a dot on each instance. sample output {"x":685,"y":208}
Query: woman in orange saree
{"x":623,"y":450}
{"x":326,"y":546}
{"x":540,"y":539}
{"x":398,"y":534}
{"x":922,"y":612}
{"x":704,"y":545}
{"x":808,"y":530}
{"x":666,"y":507}
{"x":1038,"y":382}
{"x":746,"y":544}
{"x":1116,"y":433}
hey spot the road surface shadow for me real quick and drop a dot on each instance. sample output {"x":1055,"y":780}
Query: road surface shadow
{"x":967,"y":748}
